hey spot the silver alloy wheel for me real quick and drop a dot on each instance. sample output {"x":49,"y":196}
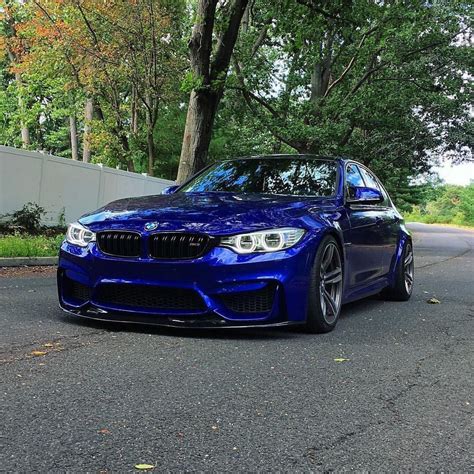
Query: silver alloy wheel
{"x":408,"y":268}
{"x":330,"y":289}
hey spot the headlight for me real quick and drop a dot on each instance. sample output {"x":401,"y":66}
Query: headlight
{"x":265,"y":241}
{"x":78,"y":235}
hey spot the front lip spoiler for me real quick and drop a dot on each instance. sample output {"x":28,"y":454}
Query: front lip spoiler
{"x":96,"y":314}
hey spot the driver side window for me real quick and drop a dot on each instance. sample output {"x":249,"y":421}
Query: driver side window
{"x":353,"y":179}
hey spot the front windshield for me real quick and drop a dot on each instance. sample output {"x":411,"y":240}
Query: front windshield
{"x":298,"y":177}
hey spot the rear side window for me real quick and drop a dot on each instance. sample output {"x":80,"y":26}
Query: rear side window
{"x":353,"y":179}
{"x":370,"y":179}
{"x":372,"y":182}
{"x":353,"y":176}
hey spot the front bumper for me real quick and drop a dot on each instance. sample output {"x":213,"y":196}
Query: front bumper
{"x":229,"y":287}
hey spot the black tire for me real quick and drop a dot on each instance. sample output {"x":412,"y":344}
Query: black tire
{"x":402,"y":288}
{"x":321,"y":317}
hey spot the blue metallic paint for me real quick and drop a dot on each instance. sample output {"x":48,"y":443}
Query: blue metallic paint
{"x":371,"y":239}
{"x":363,"y":194}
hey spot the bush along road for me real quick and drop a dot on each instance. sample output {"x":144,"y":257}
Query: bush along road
{"x":390,"y":389}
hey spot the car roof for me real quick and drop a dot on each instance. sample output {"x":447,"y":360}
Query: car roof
{"x":293,"y":157}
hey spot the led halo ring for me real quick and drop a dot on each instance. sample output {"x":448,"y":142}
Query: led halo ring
{"x":253,"y":239}
{"x":269,"y":247}
{"x":261,"y":241}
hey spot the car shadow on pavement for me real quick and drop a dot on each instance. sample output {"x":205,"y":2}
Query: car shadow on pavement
{"x":362,"y":306}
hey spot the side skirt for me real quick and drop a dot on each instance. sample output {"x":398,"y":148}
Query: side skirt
{"x":363,"y":291}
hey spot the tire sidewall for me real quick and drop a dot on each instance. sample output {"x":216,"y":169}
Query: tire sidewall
{"x":315,"y":321}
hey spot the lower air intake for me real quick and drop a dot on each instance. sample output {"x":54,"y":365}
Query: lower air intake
{"x":256,"y":301}
{"x":149,"y":297}
{"x":76,"y":291}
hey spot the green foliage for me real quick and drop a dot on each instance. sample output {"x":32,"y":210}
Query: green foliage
{"x":29,"y":246}
{"x":452,"y":205}
{"x":191,"y":81}
{"x":383,"y":82}
{"x":28,"y":218}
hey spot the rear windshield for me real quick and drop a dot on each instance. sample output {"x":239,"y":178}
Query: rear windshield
{"x":298,"y":177}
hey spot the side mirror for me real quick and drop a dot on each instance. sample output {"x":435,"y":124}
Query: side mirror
{"x":170,"y":189}
{"x":363,"y":195}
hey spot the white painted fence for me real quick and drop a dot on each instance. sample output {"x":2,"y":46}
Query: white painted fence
{"x":65,"y":186}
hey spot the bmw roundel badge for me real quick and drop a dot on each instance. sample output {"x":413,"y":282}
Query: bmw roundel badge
{"x":149,"y":226}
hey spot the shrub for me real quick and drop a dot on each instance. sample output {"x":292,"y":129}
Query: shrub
{"x":28,"y":218}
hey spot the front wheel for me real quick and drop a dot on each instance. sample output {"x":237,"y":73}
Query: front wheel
{"x":325,"y":289}
{"x":404,"y":276}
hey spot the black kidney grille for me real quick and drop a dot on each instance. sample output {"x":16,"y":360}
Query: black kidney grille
{"x":178,"y":245}
{"x":256,"y":301}
{"x":144,"y":296}
{"x":119,"y":243}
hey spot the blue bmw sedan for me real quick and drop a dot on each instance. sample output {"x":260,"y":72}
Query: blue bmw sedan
{"x":258,"y":241}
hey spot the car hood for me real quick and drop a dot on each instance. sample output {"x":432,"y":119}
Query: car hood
{"x":216,"y":213}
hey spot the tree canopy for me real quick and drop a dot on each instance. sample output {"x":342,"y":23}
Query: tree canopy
{"x":386,"y":83}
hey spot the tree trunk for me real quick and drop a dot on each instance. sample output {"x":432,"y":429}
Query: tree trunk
{"x":25,"y":133}
{"x":134,"y":112}
{"x":197,"y":133}
{"x":212,"y":72}
{"x":25,"y":136}
{"x":151,"y":117}
{"x":73,"y":135}
{"x":151,"y":151}
{"x":321,"y":73}
{"x":88,"y":116}
{"x":130,"y":166}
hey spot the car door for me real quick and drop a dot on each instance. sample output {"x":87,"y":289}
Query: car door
{"x":362,"y":238}
{"x":388,"y":222}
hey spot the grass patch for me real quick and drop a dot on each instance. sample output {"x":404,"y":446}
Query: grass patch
{"x":29,"y":246}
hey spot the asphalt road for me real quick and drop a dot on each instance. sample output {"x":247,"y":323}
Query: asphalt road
{"x":99,"y":398}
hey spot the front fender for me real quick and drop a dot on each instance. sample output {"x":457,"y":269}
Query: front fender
{"x":404,"y":237}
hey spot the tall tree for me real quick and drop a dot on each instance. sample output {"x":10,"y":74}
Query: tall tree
{"x":384,"y":82}
{"x":209,"y":72}
{"x":125,"y":57}
{"x":14,"y":48}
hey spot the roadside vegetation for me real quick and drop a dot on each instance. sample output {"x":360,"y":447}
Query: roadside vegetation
{"x":29,"y":245}
{"x":448,"y":204}
{"x":23,"y":235}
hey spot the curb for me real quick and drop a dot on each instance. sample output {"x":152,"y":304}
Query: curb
{"x":28,"y":262}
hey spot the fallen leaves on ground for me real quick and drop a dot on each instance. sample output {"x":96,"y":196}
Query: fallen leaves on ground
{"x":46,"y":348}
{"x":341,"y":359}
{"x":38,"y":353}
{"x":144,"y":467}
{"x":104,"y":431}
{"x":433,"y":301}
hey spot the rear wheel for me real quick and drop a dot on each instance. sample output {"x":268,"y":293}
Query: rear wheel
{"x":325,"y":289}
{"x":404,"y":276}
